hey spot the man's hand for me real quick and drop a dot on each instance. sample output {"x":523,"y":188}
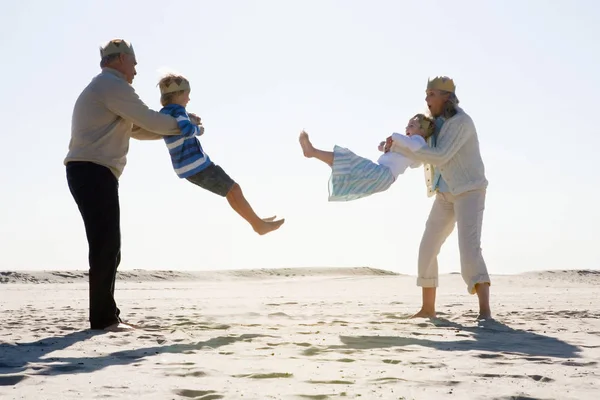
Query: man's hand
{"x":381,"y":146}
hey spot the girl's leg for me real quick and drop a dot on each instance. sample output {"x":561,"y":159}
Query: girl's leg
{"x":310,"y":152}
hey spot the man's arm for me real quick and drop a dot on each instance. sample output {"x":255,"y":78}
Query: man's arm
{"x":142,"y":134}
{"x":121,"y":98}
{"x":447,"y":146}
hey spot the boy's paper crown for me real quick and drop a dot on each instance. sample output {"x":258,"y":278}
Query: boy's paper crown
{"x":173,"y":85}
{"x":441,"y":83}
{"x":116,"y":46}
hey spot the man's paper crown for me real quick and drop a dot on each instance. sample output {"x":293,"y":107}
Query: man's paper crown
{"x":116,"y":46}
{"x":441,"y":83}
{"x":173,"y":84}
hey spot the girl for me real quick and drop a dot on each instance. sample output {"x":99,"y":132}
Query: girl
{"x":354,"y":177}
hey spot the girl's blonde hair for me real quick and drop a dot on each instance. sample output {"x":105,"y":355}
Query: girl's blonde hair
{"x":166,"y":81}
{"x":427,"y":124}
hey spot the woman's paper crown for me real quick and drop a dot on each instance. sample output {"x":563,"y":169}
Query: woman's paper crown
{"x":441,"y":83}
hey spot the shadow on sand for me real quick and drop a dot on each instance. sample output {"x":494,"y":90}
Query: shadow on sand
{"x":34,"y":356}
{"x":487,"y":336}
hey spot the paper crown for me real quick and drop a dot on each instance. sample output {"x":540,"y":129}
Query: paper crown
{"x":116,"y":46}
{"x":441,"y":83}
{"x":175,"y":84}
{"x":426,"y":124}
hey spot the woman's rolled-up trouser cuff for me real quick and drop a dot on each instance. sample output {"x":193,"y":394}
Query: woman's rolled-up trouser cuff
{"x":427,"y":282}
{"x":479,"y":279}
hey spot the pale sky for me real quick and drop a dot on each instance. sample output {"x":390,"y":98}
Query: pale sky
{"x":350,"y":73}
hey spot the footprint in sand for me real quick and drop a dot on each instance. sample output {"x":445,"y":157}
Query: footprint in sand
{"x":272,"y":375}
{"x":487,"y":356}
{"x":194,"y":374}
{"x":537,"y":378}
{"x":279,"y":315}
{"x":579,"y":364}
{"x":198,"y":394}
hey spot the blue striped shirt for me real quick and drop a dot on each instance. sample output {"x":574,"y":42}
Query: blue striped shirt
{"x":187,"y":155}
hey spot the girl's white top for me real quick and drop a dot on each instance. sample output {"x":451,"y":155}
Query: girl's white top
{"x":398,"y":163}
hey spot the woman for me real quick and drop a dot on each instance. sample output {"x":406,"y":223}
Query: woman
{"x":455,"y":173}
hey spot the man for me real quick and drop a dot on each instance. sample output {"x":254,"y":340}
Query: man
{"x":455,"y":174}
{"x":107,"y":113}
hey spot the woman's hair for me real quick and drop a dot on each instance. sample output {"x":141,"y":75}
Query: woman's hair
{"x":450,"y":108}
{"x":427,"y":124}
{"x":166,"y":81}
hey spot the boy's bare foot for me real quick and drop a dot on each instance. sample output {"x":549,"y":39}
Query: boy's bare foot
{"x":307,"y":147}
{"x":268,"y":226}
{"x":423,"y":313}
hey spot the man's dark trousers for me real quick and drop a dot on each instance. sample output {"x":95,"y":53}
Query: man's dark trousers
{"x":96,"y":192}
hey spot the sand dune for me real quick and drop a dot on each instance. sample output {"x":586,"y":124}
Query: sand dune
{"x":313,"y":334}
{"x":140,"y":275}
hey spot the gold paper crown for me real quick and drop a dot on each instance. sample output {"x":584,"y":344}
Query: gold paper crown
{"x":173,"y":84}
{"x":441,"y":83}
{"x":425,"y":123}
{"x":116,"y":46}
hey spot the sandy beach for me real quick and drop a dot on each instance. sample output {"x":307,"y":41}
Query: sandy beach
{"x":314,"y":333}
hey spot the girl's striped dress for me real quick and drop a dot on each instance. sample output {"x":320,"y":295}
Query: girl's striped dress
{"x":354,"y":177}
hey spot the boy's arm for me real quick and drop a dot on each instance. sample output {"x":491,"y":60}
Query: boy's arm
{"x":186,"y":127}
{"x":121,"y":98}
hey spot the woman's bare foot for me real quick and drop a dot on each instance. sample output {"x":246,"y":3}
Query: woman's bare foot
{"x":423,"y":313}
{"x":483,"y":293}
{"x":484,"y":315}
{"x":307,"y":147}
{"x":266,"y":226}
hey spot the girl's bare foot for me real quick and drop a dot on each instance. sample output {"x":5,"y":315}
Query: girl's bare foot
{"x":268,"y":226}
{"x":307,"y":147}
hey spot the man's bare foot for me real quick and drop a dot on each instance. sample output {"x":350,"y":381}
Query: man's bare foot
{"x":119,"y":327}
{"x":424,"y":314}
{"x":307,"y":147}
{"x":268,"y":226}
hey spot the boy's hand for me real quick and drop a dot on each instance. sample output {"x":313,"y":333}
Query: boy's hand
{"x":196,"y":120}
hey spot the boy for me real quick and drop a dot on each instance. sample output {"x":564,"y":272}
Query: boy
{"x":354,"y":177}
{"x":192,"y":163}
